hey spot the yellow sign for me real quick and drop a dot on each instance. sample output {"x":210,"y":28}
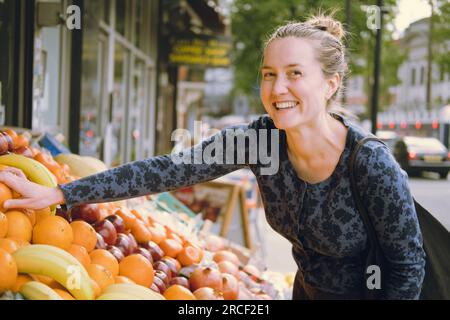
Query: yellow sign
{"x":201,"y":50}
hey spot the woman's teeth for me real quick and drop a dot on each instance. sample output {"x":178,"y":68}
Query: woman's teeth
{"x":285,"y":105}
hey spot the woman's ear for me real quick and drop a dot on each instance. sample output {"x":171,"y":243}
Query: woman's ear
{"x":333,"y":84}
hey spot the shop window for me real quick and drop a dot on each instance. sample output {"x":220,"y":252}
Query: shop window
{"x":7,"y":61}
{"x":138,"y":23}
{"x":121,"y":14}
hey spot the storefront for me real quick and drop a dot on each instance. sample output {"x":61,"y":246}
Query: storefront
{"x":95,"y":85}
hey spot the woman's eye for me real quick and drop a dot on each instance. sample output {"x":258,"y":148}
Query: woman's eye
{"x":295,"y":74}
{"x":268,"y":75}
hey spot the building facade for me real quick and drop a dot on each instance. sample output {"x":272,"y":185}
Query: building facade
{"x":411,"y":94}
{"x":97,"y":72}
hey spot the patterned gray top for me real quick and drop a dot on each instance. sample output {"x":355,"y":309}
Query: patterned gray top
{"x":320,"y":220}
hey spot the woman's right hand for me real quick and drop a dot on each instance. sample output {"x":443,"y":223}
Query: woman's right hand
{"x":34,"y":196}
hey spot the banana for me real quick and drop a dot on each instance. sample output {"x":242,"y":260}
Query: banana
{"x":34,"y":170}
{"x":58,"y":264}
{"x":140,"y":292}
{"x":117,"y":296}
{"x":34,"y":290}
{"x":80,"y":166}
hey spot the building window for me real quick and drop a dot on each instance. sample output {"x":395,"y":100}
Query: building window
{"x":8,"y":35}
{"x":413,"y":76}
{"x":422,"y":75}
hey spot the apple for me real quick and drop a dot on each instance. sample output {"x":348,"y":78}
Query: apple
{"x":123,"y":243}
{"x":156,"y":252}
{"x":182,"y":281}
{"x":100,"y":242}
{"x":163,"y":277}
{"x":118,"y":223}
{"x":161,"y":266}
{"x":159,"y":283}
{"x":87,"y":212}
{"x":107,"y":231}
{"x":133,"y":243}
{"x":116,"y":252}
{"x":172,"y":266}
{"x":145,"y":253}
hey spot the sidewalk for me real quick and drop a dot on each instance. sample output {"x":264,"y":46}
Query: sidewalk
{"x":277,"y":250}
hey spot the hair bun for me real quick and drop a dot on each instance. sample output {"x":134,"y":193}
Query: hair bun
{"x":328,"y":24}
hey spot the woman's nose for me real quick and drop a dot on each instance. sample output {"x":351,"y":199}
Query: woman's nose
{"x":279,"y":87}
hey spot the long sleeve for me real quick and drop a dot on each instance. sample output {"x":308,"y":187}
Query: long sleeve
{"x":202,"y":162}
{"x":391,"y":209}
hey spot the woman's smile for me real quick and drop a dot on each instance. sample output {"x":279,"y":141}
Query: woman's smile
{"x":284,"y":105}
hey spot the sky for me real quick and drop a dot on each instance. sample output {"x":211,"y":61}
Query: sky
{"x":410,"y":11}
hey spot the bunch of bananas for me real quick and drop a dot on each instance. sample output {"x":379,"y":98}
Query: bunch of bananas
{"x":57,"y":264}
{"x":32,"y":169}
{"x":126,"y":291}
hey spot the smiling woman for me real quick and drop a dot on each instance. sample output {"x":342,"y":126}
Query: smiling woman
{"x":308,"y":199}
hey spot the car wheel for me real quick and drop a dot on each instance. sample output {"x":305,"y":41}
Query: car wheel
{"x":443,"y":174}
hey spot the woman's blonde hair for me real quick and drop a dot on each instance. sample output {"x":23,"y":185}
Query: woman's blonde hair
{"x":328,"y":34}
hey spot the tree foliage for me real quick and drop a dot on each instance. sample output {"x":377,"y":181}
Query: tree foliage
{"x":441,"y":34}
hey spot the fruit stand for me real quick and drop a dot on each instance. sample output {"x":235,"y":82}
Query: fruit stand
{"x":142,"y":248}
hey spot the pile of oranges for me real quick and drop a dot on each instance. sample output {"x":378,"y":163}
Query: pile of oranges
{"x":155,"y":256}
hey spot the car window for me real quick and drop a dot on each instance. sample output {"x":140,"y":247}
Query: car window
{"x":418,"y":144}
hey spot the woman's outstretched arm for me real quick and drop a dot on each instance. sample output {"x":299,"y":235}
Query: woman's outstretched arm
{"x":200,"y":163}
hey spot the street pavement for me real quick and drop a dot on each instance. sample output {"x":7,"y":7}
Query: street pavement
{"x":432,"y":193}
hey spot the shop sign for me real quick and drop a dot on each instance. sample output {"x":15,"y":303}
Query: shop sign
{"x":208,"y":51}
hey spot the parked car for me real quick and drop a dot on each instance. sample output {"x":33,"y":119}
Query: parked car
{"x":388,"y":137}
{"x":417,"y":154}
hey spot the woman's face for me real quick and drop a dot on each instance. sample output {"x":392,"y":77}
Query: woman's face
{"x":294,"y":90}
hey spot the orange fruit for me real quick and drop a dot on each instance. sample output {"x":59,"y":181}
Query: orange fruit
{"x":84,"y":235}
{"x":21,"y":280}
{"x":31,"y":215}
{"x":42,"y":214}
{"x":102,"y":276}
{"x":20,"y":242}
{"x":21,"y":141}
{"x":54,"y":231}
{"x":5,"y":194}
{"x":64,"y":294}
{"x":8,"y":245}
{"x":157,"y":234}
{"x":3,"y":225}
{"x":8,"y":271}
{"x":139,"y":216}
{"x":105,"y":259}
{"x":123,"y":279}
{"x":177,"y":292}
{"x":128,"y":218}
{"x":189,"y":255}
{"x":19,"y":226}
{"x":141,"y":232}
{"x":170,"y":247}
{"x":138,"y":269}
{"x":80,"y":253}
{"x":175,"y":237}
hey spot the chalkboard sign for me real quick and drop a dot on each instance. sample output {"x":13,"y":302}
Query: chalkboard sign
{"x":224,"y":209}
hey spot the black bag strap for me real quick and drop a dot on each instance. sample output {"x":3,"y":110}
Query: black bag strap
{"x":372,"y":237}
